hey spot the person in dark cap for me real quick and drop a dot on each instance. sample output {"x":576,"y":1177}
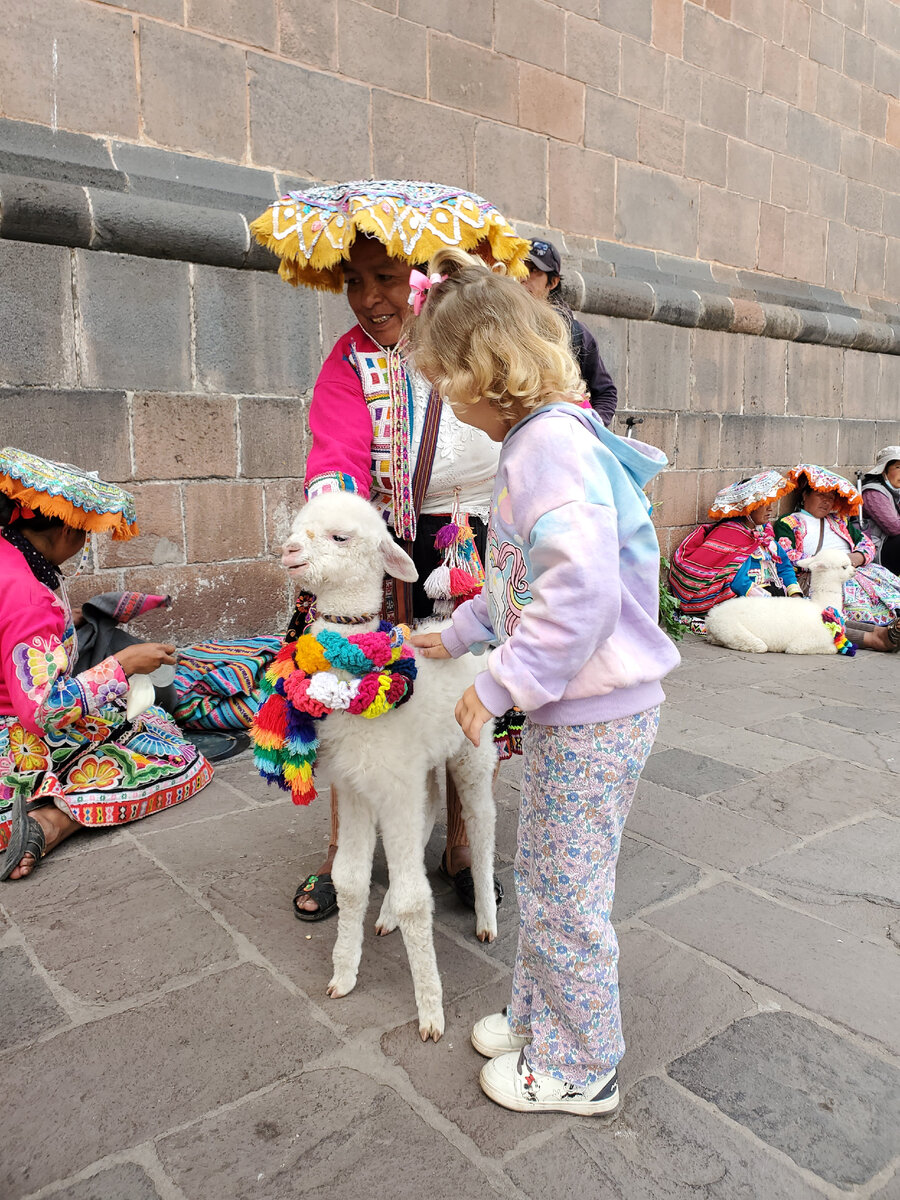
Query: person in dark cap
{"x":543,"y":282}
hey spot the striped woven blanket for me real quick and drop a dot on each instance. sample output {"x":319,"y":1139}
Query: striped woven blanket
{"x":218,"y":682}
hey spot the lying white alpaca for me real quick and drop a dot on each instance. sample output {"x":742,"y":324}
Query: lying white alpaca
{"x":384,"y":768}
{"x":785,"y":624}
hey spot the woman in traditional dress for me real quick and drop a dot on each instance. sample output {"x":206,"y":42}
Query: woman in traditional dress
{"x":881,"y":507}
{"x":69,"y":755}
{"x":825,"y":517}
{"x":377,"y":426}
{"x":735,"y":555}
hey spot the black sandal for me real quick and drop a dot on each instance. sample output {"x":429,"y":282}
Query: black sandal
{"x":893,"y":633}
{"x":464,"y":885}
{"x":27,"y":836}
{"x":318,"y":888}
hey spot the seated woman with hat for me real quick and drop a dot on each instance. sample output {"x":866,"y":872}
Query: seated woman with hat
{"x":76,"y":749}
{"x":881,"y":507}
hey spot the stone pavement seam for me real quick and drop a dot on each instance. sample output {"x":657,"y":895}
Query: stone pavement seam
{"x":78,"y":1011}
{"x":809,"y":1177}
{"x":246,"y":950}
{"x":143,"y":1155}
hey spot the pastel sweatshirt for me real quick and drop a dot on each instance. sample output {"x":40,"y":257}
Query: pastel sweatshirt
{"x":571,"y":597}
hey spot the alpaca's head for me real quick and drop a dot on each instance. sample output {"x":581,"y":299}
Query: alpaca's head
{"x":340,"y":549}
{"x":829,"y":569}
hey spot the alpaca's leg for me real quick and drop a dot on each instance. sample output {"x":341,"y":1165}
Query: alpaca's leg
{"x":387,"y":919}
{"x":473,"y":773}
{"x":740,"y":638}
{"x":352,"y":875}
{"x":412,"y":902}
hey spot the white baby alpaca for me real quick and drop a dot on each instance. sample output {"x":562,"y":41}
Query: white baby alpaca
{"x":385,"y":768}
{"x":785,"y":624}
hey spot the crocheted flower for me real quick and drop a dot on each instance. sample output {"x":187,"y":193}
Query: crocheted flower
{"x":309,"y":655}
{"x":28,"y":751}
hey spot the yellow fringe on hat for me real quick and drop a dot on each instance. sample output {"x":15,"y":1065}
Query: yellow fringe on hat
{"x":68,"y":513}
{"x":334,"y":233}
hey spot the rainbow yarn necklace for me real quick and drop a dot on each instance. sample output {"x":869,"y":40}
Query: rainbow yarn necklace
{"x":301,"y":687}
{"x":834,"y":623}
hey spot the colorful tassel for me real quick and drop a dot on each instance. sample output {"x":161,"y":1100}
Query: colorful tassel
{"x":437,"y":585}
{"x":834,"y":623}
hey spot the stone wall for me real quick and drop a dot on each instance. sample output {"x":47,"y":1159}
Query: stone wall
{"x":763,"y":134}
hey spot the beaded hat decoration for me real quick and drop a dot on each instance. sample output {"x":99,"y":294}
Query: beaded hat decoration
{"x":805,"y":475}
{"x":311,"y":231}
{"x":739,"y":499}
{"x":77,"y":497}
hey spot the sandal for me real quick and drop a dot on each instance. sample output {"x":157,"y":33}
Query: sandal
{"x":893,"y":633}
{"x":318,"y":888}
{"x":464,"y":885}
{"x":27,"y":836}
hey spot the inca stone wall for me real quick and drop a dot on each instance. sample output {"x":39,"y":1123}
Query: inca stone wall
{"x":723,"y":179}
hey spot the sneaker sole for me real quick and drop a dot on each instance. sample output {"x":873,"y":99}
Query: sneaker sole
{"x":494,"y":1051}
{"x":577,"y":1108}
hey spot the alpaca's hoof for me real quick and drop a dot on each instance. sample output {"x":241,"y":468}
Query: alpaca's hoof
{"x":486,"y":935}
{"x":387,"y":921}
{"x":383,"y":928}
{"x":433,"y":1029}
{"x":341,"y":985}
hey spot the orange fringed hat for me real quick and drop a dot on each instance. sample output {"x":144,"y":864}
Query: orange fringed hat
{"x":312,"y":231}
{"x":78,"y":498}
{"x":739,"y":499}
{"x":807,"y":475}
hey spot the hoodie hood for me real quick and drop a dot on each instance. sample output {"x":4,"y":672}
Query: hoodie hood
{"x":640,"y":461}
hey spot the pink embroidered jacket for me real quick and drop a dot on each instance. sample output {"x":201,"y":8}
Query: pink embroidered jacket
{"x":789,"y":531}
{"x":38,"y":691}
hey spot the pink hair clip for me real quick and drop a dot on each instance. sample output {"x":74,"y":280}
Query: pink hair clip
{"x":419,"y":285}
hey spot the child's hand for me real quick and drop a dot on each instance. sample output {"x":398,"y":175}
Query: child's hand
{"x":471,"y":715}
{"x":430,"y":644}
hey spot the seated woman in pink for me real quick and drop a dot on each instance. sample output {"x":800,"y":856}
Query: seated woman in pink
{"x":70,"y":757}
{"x":881,"y":507}
{"x":825,"y":517}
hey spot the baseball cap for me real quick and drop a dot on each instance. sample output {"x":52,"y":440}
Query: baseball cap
{"x":544,"y":256}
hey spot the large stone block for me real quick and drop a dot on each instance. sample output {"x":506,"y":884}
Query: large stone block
{"x":683,"y":89}
{"x":308,"y":31}
{"x":814,"y":139}
{"x":252,"y":22}
{"x":814,"y":1096}
{"x":381,"y":49}
{"x":658,"y":366}
{"x":582,"y":191}
{"x":767,"y":121}
{"x":223,"y":520}
{"x":729,"y":227}
{"x":634,"y":17}
{"x":760,"y":442}
{"x":865,"y":206}
{"x":794,"y":954}
{"x":274,"y":437}
{"x":254,"y":334}
{"x":551,"y":103}
{"x":827,"y":193}
{"x":814,"y":380}
{"x":643,"y":75}
{"x":661,"y":141}
{"x":724,"y":106}
{"x":717,"y":372}
{"x":705,"y":154}
{"x":698,"y":442}
{"x":659,"y":1147}
{"x":804,"y":247}
{"x":233,"y":599}
{"x":737,"y":54}
{"x":475,"y":80}
{"x":781,"y":72}
{"x":611,"y":124}
{"x":184,"y":436}
{"x":413,"y":138}
{"x":161,"y":538}
{"x":503,"y":158}
{"x":871,"y":256}
{"x":592,"y":53}
{"x":861,"y":378}
{"x":770,"y":253}
{"x":653,"y":209}
{"x":765,"y":365}
{"x":531,"y":31}
{"x":840,"y":256}
{"x":336,"y":120}
{"x":790,"y":182}
{"x":36,"y":316}
{"x":89,"y":429}
{"x":749,"y":170}
{"x":668,"y":26}
{"x":674,"y":497}
{"x":31,"y":1009}
{"x":175,"y":1033}
{"x":193,"y":92}
{"x":284,"y":499}
{"x":470,"y":20}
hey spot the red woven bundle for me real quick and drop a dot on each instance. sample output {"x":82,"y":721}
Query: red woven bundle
{"x":463,"y":584}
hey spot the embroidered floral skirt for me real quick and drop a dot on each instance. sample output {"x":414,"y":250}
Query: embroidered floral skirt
{"x":872,"y":595}
{"x":579,"y":782}
{"x":106,"y":773}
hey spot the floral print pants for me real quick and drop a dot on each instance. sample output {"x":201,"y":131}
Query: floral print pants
{"x":579,"y":782}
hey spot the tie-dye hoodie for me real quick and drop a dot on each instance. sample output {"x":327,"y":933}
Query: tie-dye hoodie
{"x":571,"y":598}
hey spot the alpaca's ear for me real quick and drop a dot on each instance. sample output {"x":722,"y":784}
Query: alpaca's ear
{"x":396,"y":561}
{"x":805,"y":564}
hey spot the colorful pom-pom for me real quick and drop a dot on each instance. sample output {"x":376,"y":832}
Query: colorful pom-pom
{"x":446,"y":536}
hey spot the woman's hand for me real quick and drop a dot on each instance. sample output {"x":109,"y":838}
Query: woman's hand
{"x":471,"y":715}
{"x":431,"y":646}
{"x":857,"y":558}
{"x":145,"y":657}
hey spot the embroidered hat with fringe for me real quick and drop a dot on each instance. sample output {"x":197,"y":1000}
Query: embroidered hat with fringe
{"x":311,"y":231}
{"x":739,"y":499}
{"x":76,"y":497}
{"x":848,"y":500}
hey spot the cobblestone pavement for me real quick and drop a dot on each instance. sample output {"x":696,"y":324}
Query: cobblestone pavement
{"x":165,"y":1031}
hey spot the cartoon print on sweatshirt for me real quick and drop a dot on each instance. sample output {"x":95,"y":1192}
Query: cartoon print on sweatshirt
{"x":508,"y":574}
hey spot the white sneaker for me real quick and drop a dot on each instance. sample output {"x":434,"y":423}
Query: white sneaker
{"x":509,"y":1082}
{"x":491,"y":1036}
